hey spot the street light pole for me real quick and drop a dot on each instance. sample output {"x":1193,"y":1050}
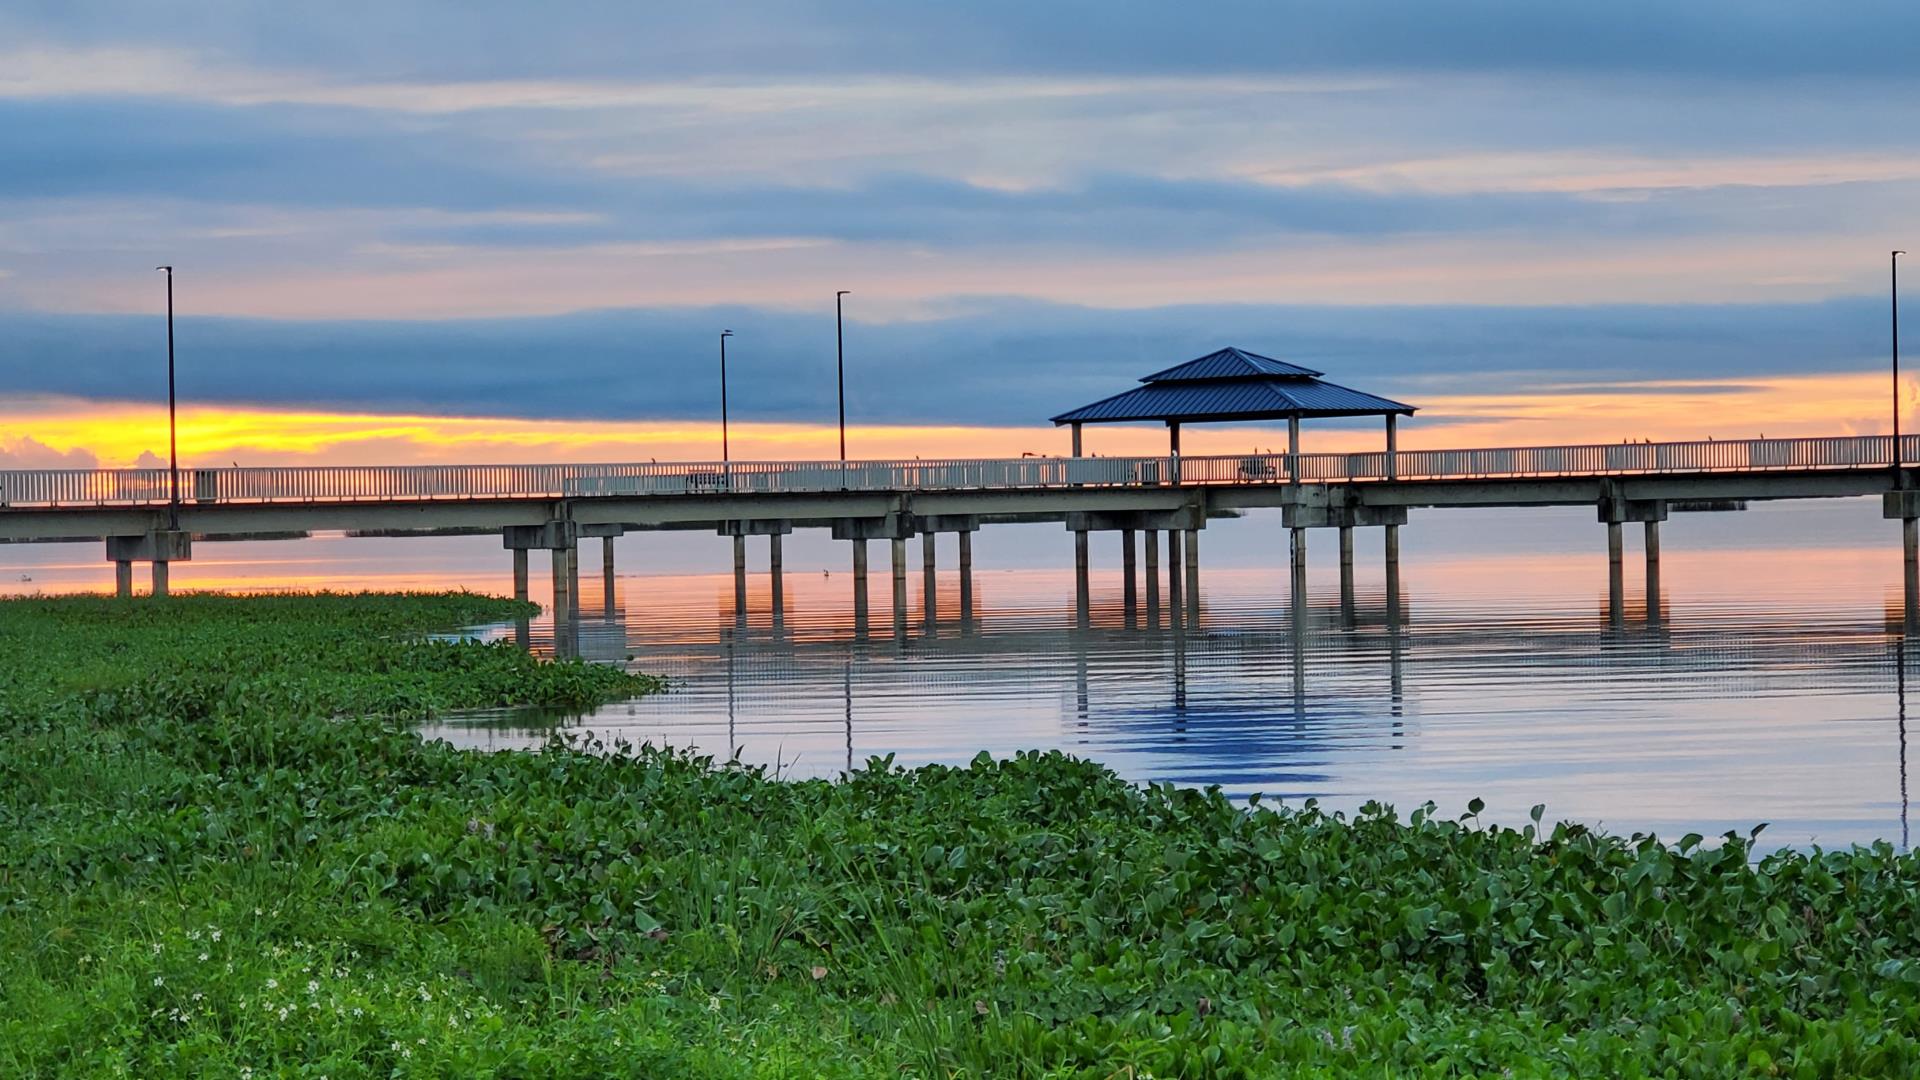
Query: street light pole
{"x":840,"y":348}
{"x":173,"y":439}
{"x":726,"y":457}
{"x":1893,"y":265}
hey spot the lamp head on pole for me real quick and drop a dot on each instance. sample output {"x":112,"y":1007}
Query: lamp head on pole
{"x":726,"y":333}
{"x":844,"y":292}
{"x":168,"y":269}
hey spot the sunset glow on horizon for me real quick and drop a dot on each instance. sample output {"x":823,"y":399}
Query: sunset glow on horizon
{"x":73,"y":433}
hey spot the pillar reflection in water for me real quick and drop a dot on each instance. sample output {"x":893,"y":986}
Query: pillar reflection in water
{"x":1900,"y":717}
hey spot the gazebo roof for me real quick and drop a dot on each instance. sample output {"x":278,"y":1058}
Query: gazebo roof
{"x":1233,"y":384}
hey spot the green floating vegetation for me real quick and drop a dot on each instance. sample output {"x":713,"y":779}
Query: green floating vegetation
{"x":224,"y":852}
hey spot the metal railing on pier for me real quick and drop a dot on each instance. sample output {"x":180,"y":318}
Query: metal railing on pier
{"x":404,"y":483}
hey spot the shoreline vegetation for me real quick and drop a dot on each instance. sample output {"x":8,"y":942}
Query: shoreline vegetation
{"x":224,"y":851}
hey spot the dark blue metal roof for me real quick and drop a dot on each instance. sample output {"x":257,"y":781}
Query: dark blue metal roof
{"x":1231,"y":363}
{"x":1233,"y":384}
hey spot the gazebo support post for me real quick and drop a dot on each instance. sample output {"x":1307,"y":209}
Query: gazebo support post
{"x":1173,"y":446}
{"x":1293,"y":450}
{"x":1076,"y":438}
{"x":1393,"y":448}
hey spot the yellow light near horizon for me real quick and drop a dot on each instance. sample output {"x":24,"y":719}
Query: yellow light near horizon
{"x":118,"y":433}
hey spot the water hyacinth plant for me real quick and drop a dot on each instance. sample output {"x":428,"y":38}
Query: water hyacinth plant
{"x":223,"y":851}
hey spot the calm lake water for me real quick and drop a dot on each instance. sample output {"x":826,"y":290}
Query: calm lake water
{"x":1771,"y":689}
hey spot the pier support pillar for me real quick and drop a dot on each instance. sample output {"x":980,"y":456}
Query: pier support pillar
{"x":1082,"y":588}
{"x":1129,"y":570}
{"x":1153,"y":577}
{"x":1905,"y":505}
{"x":1193,"y":574}
{"x":1175,"y":603}
{"x":1393,"y":575}
{"x":1616,"y":577}
{"x":1653,"y":571}
{"x":777,"y":575}
{"x":160,"y":547}
{"x":966,"y":578}
{"x":899,"y":546}
{"x":1910,"y":577}
{"x":860,"y":586}
{"x":929,"y":576}
{"x":1346,"y":575}
{"x":520,"y":574}
{"x":606,"y":571}
{"x":740,"y":579}
{"x":562,"y":599}
{"x":1297,"y":559}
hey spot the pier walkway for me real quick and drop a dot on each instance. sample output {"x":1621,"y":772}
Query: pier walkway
{"x":554,"y":507}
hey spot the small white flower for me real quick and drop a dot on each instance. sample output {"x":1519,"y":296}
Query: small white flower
{"x":193,"y":935}
{"x":216,"y":935}
{"x":158,"y":981}
{"x":313,"y":986}
{"x":203,"y":958}
{"x":273,"y":984}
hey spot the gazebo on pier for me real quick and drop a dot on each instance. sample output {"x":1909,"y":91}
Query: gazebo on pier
{"x":1234,"y":385}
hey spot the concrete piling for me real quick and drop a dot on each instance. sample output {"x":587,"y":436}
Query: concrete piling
{"x":1616,"y":577}
{"x":606,"y":572}
{"x":562,"y":601}
{"x":1153,"y":577}
{"x":1175,"y":603}
{"x":966,"y":578}
{"x":1393,"y":575}
{"x":929,"y":577}
{"x":740,"y":579}
{"x":1129,"y":571}
{"x":1346,"y":576}
{"x":159,"y":577}
{"x":860,"y":586}
{"x":520,"y":574}
{"x":123,"y":578}
{"x":1653,"y":571}
{"x":1911,"y":569}
{"x":1082,"y":588}
{"x":1193,"y":575}
{"x":899,"y":551}
{"x":776,"y":574}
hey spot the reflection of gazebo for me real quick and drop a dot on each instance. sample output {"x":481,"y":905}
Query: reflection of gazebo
{"x":1234,"y":385}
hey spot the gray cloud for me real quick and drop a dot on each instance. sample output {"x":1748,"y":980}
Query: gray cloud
{"x":1762,"y":39}
{"x":995,"y":362}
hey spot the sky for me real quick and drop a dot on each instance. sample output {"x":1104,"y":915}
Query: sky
{"x":495,"y":231}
